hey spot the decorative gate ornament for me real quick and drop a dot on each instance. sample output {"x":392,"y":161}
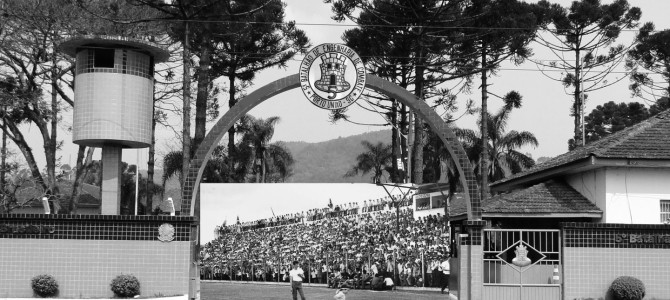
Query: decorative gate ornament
{"x":166,"y":232}
{"x":520,"y":256}
{"x":521,"y":259}
{"x":337,"y":81}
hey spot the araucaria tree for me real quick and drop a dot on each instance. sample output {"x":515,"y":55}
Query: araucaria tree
{"x":649,"y":62}
{"x":582,"y":38}
{"x":251,"y":37}
{"x":501,"y":30}
{"x":411,"y":43}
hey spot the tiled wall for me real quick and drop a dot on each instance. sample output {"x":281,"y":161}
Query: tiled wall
{"x":84,"y":253}
{"x":596,"y":254}
{"x":114,"y":104}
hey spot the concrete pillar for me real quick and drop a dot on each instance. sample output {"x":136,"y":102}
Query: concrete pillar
{"x":111,"y":180}
{"x":470,"y":261}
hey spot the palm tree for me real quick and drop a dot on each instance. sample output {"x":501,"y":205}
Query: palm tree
{"x":253,"y":155}
{"x":279,"y":163}
{"x":375,"y":159}
{"x":257,"y":134}
{"x":503,"y":146}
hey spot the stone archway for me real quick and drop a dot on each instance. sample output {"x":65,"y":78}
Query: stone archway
{"x":467,"y":177}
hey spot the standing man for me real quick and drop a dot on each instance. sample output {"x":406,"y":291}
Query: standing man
{"x":296,"y":276}
{"x":445,"y":275}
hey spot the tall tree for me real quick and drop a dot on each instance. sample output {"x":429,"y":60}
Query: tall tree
{"x":375,"y":159}
{"x":254,"y":158}
{"x":257,"y":134}
{"x":502,"y":30}
{"x":582,"y":38}
{"x":649,"y":62}
{"x":252,"y":37}
{"x":503,"y":146}
{"x":410,"y":43}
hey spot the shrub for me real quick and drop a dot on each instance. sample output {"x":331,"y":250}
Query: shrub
{"x":626,"y":288}
{"x":44,"y":285}
{"x":125,"y":286}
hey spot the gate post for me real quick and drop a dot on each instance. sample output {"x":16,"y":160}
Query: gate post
{"x":469,"y":261}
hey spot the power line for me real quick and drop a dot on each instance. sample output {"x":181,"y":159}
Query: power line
{"x":497,"y":69}
{"x":130,"y":21}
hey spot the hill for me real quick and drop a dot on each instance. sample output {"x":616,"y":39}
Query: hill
{"x":323,"y":162}
{"x":328,"y":161}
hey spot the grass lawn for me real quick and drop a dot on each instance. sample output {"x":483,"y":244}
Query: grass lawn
{"x":227,"y":290}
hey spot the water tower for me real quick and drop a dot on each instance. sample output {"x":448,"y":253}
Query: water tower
{"x":113,"y":101}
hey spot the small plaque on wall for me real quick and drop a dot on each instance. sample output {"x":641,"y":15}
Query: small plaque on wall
{"x":166,"y":232}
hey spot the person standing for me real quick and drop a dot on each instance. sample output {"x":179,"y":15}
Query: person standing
{"x":297,"y":275}
{"x":445,"y":275}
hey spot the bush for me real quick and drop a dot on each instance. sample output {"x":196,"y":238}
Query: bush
{"x":626,"y":288}
{"x":44,"y":285}
{"x":125,"y":286}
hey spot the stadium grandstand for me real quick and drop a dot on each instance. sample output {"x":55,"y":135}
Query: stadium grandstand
{"x":347,"y":243}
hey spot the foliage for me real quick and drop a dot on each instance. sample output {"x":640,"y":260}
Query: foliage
{"x":626,"y":288}
{"x":254,"y":159}
{"x":125,"y":286}
{"x":376,"y":159}
{"x":44,"y":285}
{"x":492,"y":46}
{"x":506,"y":159}
{"x":415,"y":49}
{"x":247,"y":37}
{"x":649,"y":62}
{"x":611,"y":117}
{"x":581,"y":38}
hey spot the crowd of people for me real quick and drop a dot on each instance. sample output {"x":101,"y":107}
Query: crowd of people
{"x":343,"y":245}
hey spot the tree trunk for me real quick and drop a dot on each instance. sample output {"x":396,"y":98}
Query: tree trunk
{"x":201,"y":99}
{"x":231,"y":103}
{"x":18,"y":139}
{"x":186,"y":126}
{"x":50,"y":148}
{"x":394,"y":141}
{"x":3,"y":171}
{"x":263,"y":162}
{"x":403,"y":140}
{"x":417,"y":149}
{"x":484,"y":158}
{"x":150,"y":168}
{"x":80,"y":174}
{"x":577,"y":107}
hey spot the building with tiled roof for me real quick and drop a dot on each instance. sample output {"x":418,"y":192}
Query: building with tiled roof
{"x":626,"y":175}
{"x":622,"y":178}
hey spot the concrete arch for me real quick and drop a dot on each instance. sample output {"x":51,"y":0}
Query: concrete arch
{"x":467,"y":178}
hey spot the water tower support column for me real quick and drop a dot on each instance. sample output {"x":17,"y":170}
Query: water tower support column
{"x":111,"y":180}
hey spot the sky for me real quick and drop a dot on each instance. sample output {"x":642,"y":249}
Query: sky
{"x":250,"y":201}
{"x":545,"y":110}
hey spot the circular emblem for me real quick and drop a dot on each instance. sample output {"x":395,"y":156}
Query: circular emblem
{"x":166,"y":232}
{"x":332,"y":76}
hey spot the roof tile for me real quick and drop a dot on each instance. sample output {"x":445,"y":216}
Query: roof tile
{"x":649,"y":139}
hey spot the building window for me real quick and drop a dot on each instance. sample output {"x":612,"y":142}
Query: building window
{"x":103,"y":58}
{"x":665,"y":211}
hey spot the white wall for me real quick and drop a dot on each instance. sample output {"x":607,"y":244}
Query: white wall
{"x":592,"y":185}
{"x":625,"y":195}
{"x":634,"y":194}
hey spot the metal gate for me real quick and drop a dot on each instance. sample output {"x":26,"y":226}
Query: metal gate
{"x":521,"y":264}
